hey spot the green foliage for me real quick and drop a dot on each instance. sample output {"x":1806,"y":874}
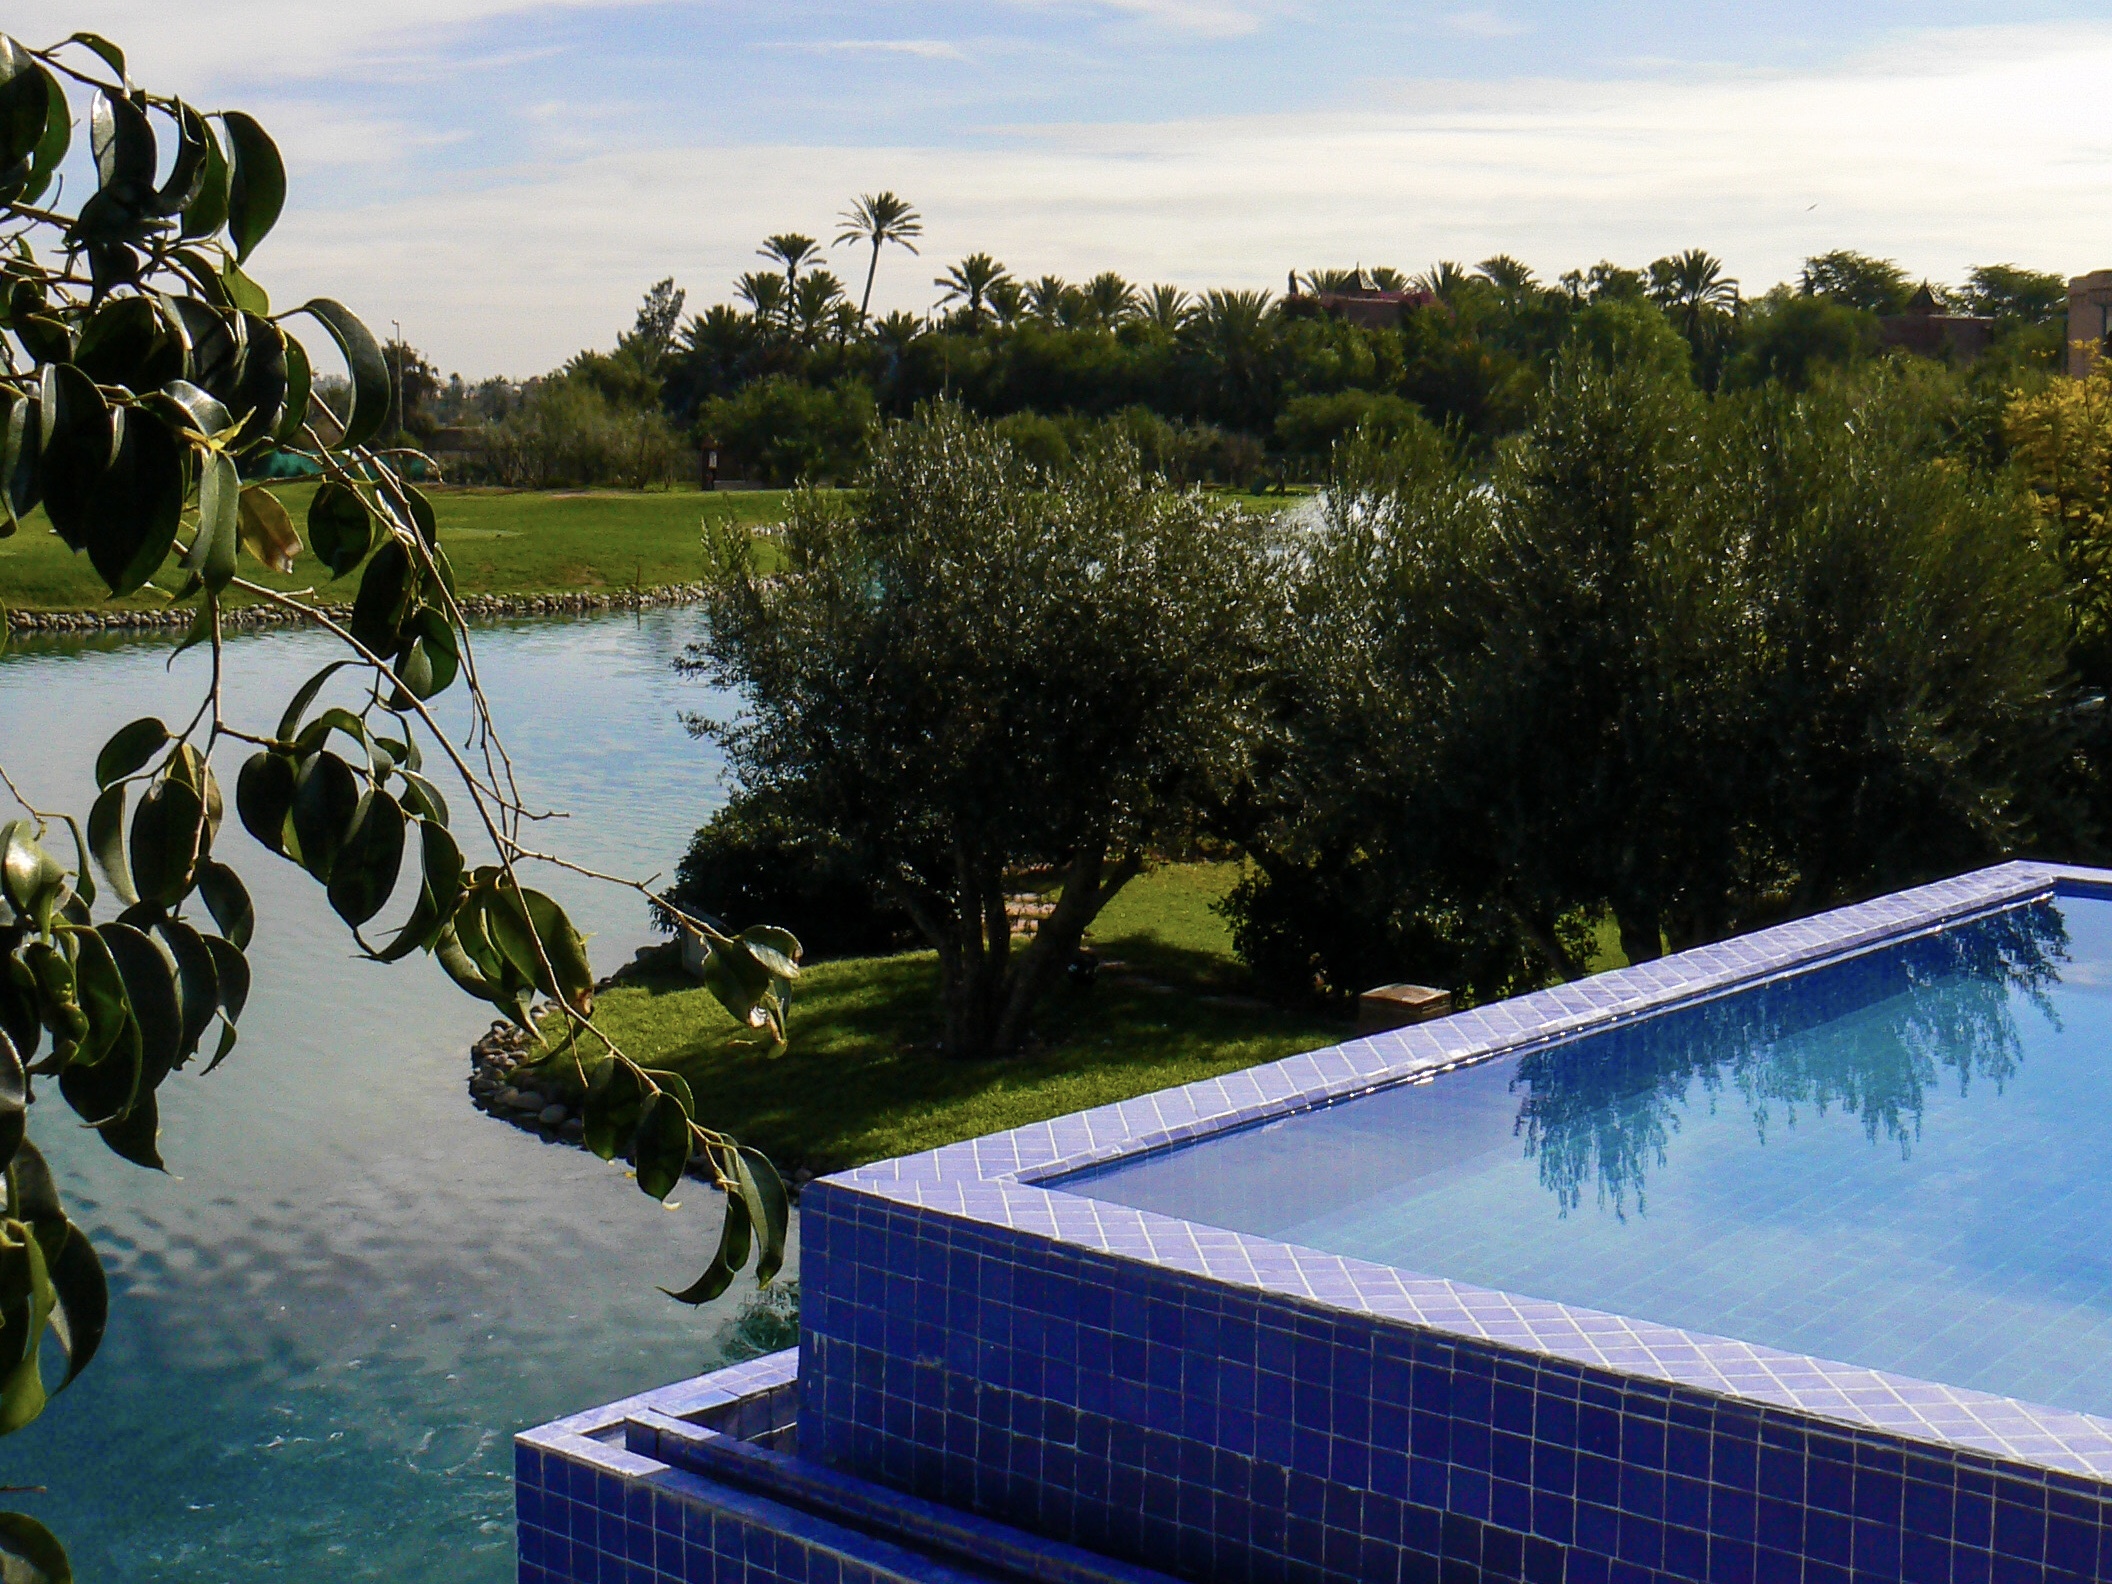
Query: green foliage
{"x":1311,"y":426}
{"x":982,"y":668}
{"x":1790,"y":339}
{"x":1686,"y":665}
{"x":1857,"y":281}
{"x":790,"y":433}
{"x":153,"y":381}
{"x":569,"y":432}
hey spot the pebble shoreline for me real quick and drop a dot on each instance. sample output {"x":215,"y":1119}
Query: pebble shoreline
{"x":250,"y":616}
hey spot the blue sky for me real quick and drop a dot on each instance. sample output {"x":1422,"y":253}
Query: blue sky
{"x":506,"y":176}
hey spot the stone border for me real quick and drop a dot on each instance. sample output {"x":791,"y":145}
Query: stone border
{"x":489,"y":606}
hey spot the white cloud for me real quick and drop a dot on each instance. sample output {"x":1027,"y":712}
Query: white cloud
{"x":1483,"y":25}
{"x":1941,"y":153}
{"x":923,"y":49}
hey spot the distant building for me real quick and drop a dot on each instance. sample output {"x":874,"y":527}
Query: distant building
{"x":1360,"y":305}
{"x":2089,"y":320}
{"x":1927,"y":329}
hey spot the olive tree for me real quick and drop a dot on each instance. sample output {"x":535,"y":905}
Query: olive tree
{"x":145,"y":373}
{"x":979,"y":668}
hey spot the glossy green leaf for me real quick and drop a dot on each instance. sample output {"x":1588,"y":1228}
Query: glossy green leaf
{"x":232,"y":969}
{"x":422,"y":798}
{"x":266,"y":530}
{"x":26,"y":1302}
{"x":371,"y":390}
{"x":19,"y":1019}
{"x":661,"y":1144}
{"x":340,"y":528}
{"x":325,"y":800}
{"x":24,"y":106}
{"x":186,"y":178}
{"x":212,"y":554}
{"x":101,"y":989}
{"x":439,"y":890}
{"x":363,"y":875}
{"x":383,"y":603}
{"x":53,"y":145}
{"x":21,"y":458}
{"x":300,"y":379}
{"x":106,"y":840}
{"x":32,"y":1552}
{"x":256,"y":189}
{"x":29,"y":876}
{"x":675,"y":1084}
{"x":58,"y":1003}
{"x":520,"y":920}
{"x":135,"y":505}
{"x":264,"y":797}
{"x":111,"y":55}
{"x":776,"y":949}
{"x":732,"y":1255}
{"x":193,"y":408}
{"x":261,"y":396}
{"x":304,"y":695}
{"x":197,"y":981}
{"x":157,"y":1004}
{"x":129,"y":748}
{"x":615,"y":1098}
{"x":76,"y":444}
{"x":206,"y":213}
{"x":83,"y":881}
{"x":83,"y":1296}
{"x":769,"y":1208}
{"x":227,"y":899}
{"x":168,"y":835}
{"x":122,"y":140}
{"x":136,"y":1136}
{"x":128,"y":342}
{"x":218,"y":339}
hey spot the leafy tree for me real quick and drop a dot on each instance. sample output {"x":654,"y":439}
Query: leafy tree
{"x":979,"y":671}
{"x":1507,"y":275}
{"x":878,"y":219}
{"x":1229,"y":333}
{"x":814,"y":303}
{"x":968,"y":283}
{"x":154,"y":374}
{"x":417,"y":389}
{"x":790,"y":432}
{"x":1856,"y":280}
{"x":2009,"y":293}
{"x":764,"y":293}
{"x":1109,"y":299}
{"x":1790,"y":337}
{"x":1312,"y":426}
{"x":1702,"y":301}
{"x":659,"y":316}
{"x":2060,"y":445}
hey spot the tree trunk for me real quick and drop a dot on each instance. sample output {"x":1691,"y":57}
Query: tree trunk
{"x":987,"y":992}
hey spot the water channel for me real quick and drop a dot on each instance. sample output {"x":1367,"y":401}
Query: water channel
{"x":352,"y":1288}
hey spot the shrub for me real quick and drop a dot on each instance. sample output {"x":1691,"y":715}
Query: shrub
{"x":566,"y":433}
{"x":756,"y":863}
{"x":1309,"y":427}
{"x":788,"y":432}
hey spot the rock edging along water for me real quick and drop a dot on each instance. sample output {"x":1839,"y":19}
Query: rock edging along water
{"x":568,"y":603}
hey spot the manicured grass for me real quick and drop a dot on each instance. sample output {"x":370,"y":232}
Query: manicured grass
{"x":500,"y":541}
{"x":864,"y":1079}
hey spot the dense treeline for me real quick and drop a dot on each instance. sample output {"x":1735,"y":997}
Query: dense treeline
{"x":1662,"y":663}
{"x":1226,"y":385}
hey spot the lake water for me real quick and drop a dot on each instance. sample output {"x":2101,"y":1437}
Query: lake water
{"x":353,"y":1288}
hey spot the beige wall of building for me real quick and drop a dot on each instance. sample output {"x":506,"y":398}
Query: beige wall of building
{"x":2089,"y":319}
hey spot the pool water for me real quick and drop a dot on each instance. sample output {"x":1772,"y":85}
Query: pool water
{"x":1901,"y":1161}
{"x":353,"y":1288}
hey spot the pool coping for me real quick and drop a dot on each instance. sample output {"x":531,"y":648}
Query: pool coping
{"x":998,"y":1181}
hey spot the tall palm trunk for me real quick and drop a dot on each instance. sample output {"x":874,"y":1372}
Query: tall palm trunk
{"x":872,"y":269}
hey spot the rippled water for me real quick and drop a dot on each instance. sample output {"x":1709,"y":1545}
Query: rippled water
{"x":353,"y":1288}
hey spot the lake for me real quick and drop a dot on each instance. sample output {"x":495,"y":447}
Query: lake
{"x":352,"y":1288}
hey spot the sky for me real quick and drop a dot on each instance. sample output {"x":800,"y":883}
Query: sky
{"x":504,"y":178}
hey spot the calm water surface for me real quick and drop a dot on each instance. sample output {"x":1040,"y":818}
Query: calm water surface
{"x":352,"y":1289}
{"x":1900,"y":1161}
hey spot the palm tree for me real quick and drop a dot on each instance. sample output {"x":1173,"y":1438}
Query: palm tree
{"x":1110,"y":299}
{"x":969,"y":282}
{"x":879,"y":218}
{"x":814,"y":300}
{"x":1442,"y":280}
{"x":1508,"y":275}
{"x":1384,"y":277}
{"x":1167,"y":307}
{"x":1699,"y":298}
{"x":896,"y":331}
{"x":764,"y":293}
{"x":1045,"y":298}
{"x":1008,"y":300}
{"x":791,"y":250}
{"x":1231,"y":330}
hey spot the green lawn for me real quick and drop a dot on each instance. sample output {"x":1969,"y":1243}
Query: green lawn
{"x":500,"y":541}
{"x":864,"y":1080}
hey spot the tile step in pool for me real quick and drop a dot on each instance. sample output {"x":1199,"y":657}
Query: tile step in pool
{"x":699,"y":1484}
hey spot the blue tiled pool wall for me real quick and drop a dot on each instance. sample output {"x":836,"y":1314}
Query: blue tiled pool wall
{"x":1236,"y":1435}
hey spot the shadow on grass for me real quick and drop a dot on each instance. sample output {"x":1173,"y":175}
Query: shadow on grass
{"x":865,"y":1080}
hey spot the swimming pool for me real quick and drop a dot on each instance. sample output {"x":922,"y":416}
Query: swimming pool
{"x":1898,"y":1161}
{"x":1778,"y":1259}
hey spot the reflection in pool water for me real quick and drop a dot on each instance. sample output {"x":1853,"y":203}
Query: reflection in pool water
{"x":350,"y":1291}
{"x":1896,"y":1161}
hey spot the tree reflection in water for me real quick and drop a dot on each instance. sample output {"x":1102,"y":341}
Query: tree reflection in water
{"x":1871,"y":1035}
